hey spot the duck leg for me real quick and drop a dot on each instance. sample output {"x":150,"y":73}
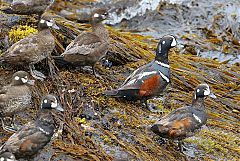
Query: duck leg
{"x":36,"y":74}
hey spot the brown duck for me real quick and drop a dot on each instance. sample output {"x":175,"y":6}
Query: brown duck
{"x":17,"y":96}
{"x":27,"y":7}
{"x":32,"y":49}
{"x":88,"y":47}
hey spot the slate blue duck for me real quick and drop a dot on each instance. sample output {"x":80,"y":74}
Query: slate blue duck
{"x":151,"y":79}
{"x":185,"y":121}
{"x":34,"y":135}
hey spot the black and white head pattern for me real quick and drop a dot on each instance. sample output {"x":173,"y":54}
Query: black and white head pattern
{"x":51,"y":102}
{"x":21,"y":77}
{"x":43,"y":23}
{"x":203,"y":90}
{"x":7,"y":156}
{"x":165,"y":43}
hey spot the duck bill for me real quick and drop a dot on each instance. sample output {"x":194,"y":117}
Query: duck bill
{"x":59,"y":108}
{"x":31,"y":82}
{"x":55,"y":27}
{"x":212,"y":95}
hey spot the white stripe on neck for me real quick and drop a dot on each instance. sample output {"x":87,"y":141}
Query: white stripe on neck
{"x":164,"y":77}
{"x":197,"y":118}
{"x":162,"y":64}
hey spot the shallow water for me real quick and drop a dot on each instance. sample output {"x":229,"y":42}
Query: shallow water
{"x":180,"y":18}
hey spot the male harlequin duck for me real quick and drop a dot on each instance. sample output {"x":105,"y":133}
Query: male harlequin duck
{"x":88,"y":47}
{"x":7,"y":156}
{"x":36,"y":134}
{"x":27,"y":7}
{"x":151,"y":79}
{"x":17,"y":96}
{"x":183,"y":122}
{"x":33,"y":48}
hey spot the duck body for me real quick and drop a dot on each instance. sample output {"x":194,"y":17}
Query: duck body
{"x":30,"y":50}
{"x":184,"y":122}
{"x":27,"y":7}
{"x":148,"y":80}
{"x":181,"y":123}
{"x":34,"y":135}
{"x":89,"y":47}
{"x":17,"y":96}
{"x":14,"y":99}
{"x":85,"y":50}
{"x":145,"y":82}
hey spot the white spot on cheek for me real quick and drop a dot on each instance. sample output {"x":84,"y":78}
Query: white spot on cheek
{"x":1,"y":159}
{"x":45,"y":101}
{"x":163,"y":42}
{"x":42,"y":21}
{"x":49,"y":24}
{"x":24,"y":80}
{"x":206,"y":92}
{"x":17,"y":78}
{"x":54,"y":104}
{"x":96,"y":15}
{"x":198,"y":90}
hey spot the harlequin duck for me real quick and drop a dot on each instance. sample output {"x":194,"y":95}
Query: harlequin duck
{"x":27,"y":7}
{"x":184,"y":122}
{"x":36,"y":134}
{"x":33,"y":48}
{"x":88,"y":47}
{"x":7,"y":156}
{"x":151,"y":79}
{"x":17,"y":96}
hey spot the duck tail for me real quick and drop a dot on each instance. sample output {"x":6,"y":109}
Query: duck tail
{"x":60,"y":60}
{"x":113,"y":93}
{"x":7,"y":10}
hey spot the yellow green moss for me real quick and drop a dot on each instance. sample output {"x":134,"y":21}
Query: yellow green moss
{"x":19,"y":32}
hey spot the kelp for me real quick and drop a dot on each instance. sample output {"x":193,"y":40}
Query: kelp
{"x":117,"y":129}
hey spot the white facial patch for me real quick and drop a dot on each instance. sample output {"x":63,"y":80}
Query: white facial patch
{"x":24,"y":80}
{"x":198,"y":90}
{"x":45,"y":101}
{"x":163,"y":42}
{"x":1,"y":159}
{"x":17,"y":78}
{"x":42,"y":21}
{"x":174,"y":42}
{"x":54,"y":104}
{"x":96,"y":15}
{"x":197,"y":118}
{"x":49,"y":24}
{"x":207,"y":92}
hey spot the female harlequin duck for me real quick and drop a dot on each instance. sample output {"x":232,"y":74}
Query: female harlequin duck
{"x":88,"y":47}
{"x":183,"y":122}
{"x":27,"y":7}
{"x":33,"y":48}
{"x":36,"y":134}
{"x":151,"y":79}
{"x":17,"y":96}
